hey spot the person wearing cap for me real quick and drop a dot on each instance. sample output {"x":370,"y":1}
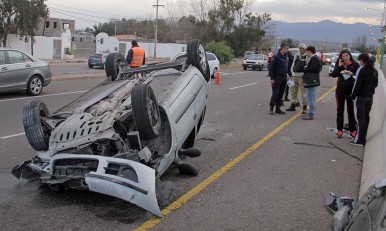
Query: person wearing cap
{"x":136,"y":55}
{"x":278,"y":70}
{"x":297,"y":72}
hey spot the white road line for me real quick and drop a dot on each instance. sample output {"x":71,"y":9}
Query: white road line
{"x":243,"y":86}
{"x":11,"y":136}
{"x":232,"y":73}
{"x":39,"y":96}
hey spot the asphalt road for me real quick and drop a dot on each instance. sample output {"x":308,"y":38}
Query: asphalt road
{"x":278,"y":168}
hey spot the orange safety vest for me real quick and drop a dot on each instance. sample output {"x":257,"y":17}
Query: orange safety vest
{"x":138,"y":56}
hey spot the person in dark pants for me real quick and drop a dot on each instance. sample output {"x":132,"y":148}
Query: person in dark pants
{"x":277,"y":71}
{"x":290,"y":61}
{"x":362,"y":94}
{"x":344,"y":70}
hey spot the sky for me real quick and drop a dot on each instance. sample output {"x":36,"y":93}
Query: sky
{"x":87,"y":12}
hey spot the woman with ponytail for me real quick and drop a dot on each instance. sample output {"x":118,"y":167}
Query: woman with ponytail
{"x":362,"y":95}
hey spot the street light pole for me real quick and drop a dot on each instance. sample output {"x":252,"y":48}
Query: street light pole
{"x":382,"y":30}
{"x":156,"y":28}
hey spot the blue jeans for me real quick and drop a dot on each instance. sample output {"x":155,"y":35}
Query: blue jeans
{"x":311,"y":94}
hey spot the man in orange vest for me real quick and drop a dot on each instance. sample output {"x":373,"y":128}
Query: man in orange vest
{"x":136,"y":55}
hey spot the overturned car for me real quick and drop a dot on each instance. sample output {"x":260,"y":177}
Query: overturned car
{"x":119,"y":138}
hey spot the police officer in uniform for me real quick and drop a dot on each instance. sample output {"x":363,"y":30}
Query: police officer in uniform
{"x":136,"y":55}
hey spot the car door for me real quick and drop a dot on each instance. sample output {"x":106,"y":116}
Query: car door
{"x":20,"y":68}
{"x":4,"y":77}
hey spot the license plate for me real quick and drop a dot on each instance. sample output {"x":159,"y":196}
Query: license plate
{"x":249,"y":65}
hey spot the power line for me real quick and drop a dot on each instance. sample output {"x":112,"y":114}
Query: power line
{"x":67,"y":11}
{"x":75,"y":16}
{"x":78,"y":9}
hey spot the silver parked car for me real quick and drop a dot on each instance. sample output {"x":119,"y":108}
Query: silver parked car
{"x":21,"y":71}
{"x":119,"y":138}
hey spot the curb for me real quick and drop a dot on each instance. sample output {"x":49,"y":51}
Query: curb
{"x":77,"y":76}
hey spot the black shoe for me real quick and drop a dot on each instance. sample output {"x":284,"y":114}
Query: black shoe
{"x":286,"y":99}
{"x":291,"y":108}
{"x":279,"y":111}
{"x":271,"y":110}
{"x":308,"y":117}
{"x":297,"y":104}
{"x":304,"y":109}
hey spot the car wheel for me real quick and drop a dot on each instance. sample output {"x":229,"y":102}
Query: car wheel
{"x":113,"y":65}
{"x":38,"y":134}
{"x":214,"y":73}
{"x":197,"y":57}
{"x":35,"y":85}
{"x":103,"y":66}
{"x":146,"y":111}
{"x":260,"y":68}
{"x":189,"y":169}
{"x":90,"y":66}
{"x":245,"y":68}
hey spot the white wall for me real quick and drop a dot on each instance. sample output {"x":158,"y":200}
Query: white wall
{"x":106,"y":44}
{"x":164,"y":50}
{"x":13,"y":41}
{"x":374,"y":160}
{"x":44,"y":47}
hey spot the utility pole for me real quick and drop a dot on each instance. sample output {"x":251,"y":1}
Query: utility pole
{"x":156,"y":28}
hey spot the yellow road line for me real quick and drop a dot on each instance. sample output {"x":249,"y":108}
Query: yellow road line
{"x":152,"y":222}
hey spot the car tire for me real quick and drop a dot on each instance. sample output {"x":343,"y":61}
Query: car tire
{"x":260,"y":68}
{"x":113,"y":65}
{"x":146,"y":112}
{"x":90,"y":66}
{"x":197,"y":57}
{"x":214,"y":73}
{"x":245,"y":68}
{"x":189,"y":169}
{"x":36,"y":132}
{"x":35,"y":85}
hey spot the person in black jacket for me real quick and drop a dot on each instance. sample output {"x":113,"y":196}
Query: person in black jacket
{"x":345,"y":69}
{"x":278,"y":69}
{"x":313,"y":65}
{"x":362,"y":94}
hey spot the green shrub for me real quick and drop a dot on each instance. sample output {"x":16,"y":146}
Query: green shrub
{"x":67,"y":51}
{"x":223,"y":52}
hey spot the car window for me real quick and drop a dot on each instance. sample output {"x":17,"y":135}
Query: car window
{"x":210,"y":57}
{"x":18,"y":57}
{"x":256,"y":57}
{"x":2,"y":57}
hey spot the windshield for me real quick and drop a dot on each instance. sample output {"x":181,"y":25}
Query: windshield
{"x":256,"y":57}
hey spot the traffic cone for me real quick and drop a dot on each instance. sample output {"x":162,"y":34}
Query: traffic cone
{"x":218,"y":80}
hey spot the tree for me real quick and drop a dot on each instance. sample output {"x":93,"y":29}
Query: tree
{"x":223,"y":52}
{"x":20,"y":17}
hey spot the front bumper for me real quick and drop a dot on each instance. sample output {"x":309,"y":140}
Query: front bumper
{"x":252,"y":65}
{"x":125,"y":179}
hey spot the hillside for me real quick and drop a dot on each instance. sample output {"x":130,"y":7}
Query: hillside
{"x":328,"y":31}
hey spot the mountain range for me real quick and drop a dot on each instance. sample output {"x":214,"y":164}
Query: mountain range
{"x":326,"y":31}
